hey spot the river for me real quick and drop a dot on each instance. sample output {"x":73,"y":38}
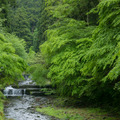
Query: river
{"x":23,"y":107}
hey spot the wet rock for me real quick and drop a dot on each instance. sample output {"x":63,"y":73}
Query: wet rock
{"x":40,"y":106}
{"x":28,"y":108}
{"x":104,"y":118}
{"x":23,"y":108}
{"x":32,"y":112}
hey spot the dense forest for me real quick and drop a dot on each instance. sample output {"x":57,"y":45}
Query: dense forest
{"x":72,"y":44}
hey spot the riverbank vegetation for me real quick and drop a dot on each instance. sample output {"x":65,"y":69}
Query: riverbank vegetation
{"x":73,"y":45}
{"x":76,"y":113}
{"x":2,"y":98}
{"x":12,"y":53}
{"x":81,"y":49}
{"x":64,"y":109}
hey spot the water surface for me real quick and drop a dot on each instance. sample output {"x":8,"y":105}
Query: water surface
{"x":23,"y":108}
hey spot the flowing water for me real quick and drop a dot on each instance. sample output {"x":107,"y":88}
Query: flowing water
{"x":10,"y":91}
{"x":23,"y":107}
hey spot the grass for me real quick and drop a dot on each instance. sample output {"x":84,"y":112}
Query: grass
{"x":1,"y":110}
{"x":59,"y":113}
{"x":76,"y":113}
{"x":63,"y":112}
{"x":1,"y":106}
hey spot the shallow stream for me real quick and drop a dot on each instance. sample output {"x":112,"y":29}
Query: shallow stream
{"x":23,"y":108}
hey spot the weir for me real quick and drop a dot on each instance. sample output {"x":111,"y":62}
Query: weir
{"x":27,"y":87}
{"x":19,"y":90}
{"x":23,"y":108}
{"x":10,"y":91}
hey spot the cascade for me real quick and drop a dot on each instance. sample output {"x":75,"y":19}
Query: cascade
{"x":13,"y":91}
{"x":10,"y":91}
{"x":27,"y":87}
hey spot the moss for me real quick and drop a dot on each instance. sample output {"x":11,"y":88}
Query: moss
{"x":76,"y":113}
{"x":1,"y":110}
{"x":59,"y":113}
{"x":58,"y":109}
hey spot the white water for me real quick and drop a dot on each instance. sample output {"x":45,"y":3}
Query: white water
{"x":23,"y":108}
{"x":10,"y":91}
{"x":28,"y":81}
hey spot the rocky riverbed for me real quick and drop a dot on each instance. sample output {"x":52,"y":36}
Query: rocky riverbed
{"x":23,"y":108}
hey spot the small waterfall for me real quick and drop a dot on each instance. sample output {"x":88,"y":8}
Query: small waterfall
{"x":27,"y":81}
{"x":10,"y":91}
{"x":24,"y":91}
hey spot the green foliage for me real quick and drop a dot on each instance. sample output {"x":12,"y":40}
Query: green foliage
{"x":52,"y":11}
{"x":23,"y":20}
{"x":18,"y":44}
{"x":102,"y":59}
{"x":72,"y":9}
{"x":20,"y":26}
{"x":32,"y":8}
{"x":109,"y":13}
{"x":5,"y":5}
{"x":1,"y":108}
{"x":84,"y":62}
{"x":45,"y":20}
{"x":12,"y":54}
{"x":11,"y":65}
{"x":48,"y":91}
{"x":37,"y":68}
{"x":38,"y":73}
{"x":66,"y":45}
{"x":31,"y":56}
{"x":35,"y":40}
{"x":80,"y":59}
{"x":59,"y":113}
